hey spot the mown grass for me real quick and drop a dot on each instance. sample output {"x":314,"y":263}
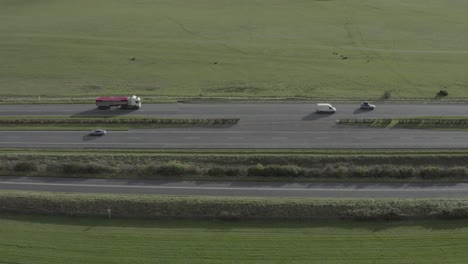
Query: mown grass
{"x":34,"y":239}
{"x":114,"y":123}
{"x":214,"y":48}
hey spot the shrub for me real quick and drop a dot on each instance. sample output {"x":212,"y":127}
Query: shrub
{"x":314,"y":173}
{"x":81,"y":168}
{"x":337,"y":171}
{"x":341,"y":171}
{"x":219,"y":172}
{"x":360,"y":171}
{"x":430,"y":173}
{"x":283,"y":171}
{"x":384,"y":171}
{"x":407,"y":172}
{"x":387,"y":95}
{"x":24,"y":166}
{"x":276,"y":171}
{"x":175,"y":168}
{"x":215,"y":172}
{"x":257,"y":170}
{"x":456,"y":172}
{"x":232,"y":172}
{"x":442,"y":93}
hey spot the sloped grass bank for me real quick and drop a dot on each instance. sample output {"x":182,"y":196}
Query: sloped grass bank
{"x":45,"y":240}
{"x":420,"y":122}
{"x":194,"y":207}
{"x":116,"y":123}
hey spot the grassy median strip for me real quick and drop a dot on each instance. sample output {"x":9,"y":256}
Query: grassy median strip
{"x":114,"y":123}
{"x":415,"y":122}
{"x":364,"y":166}
{"x":44,"y":240}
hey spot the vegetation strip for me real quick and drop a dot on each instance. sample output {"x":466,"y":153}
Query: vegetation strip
{"x":150,"y":206}
{"x":46,"y":239}
{"x":88,"y":122}
{"x":420,"y":122}
{"x":238,"y":166}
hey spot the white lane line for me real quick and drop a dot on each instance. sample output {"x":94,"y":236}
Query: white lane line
{"x":228,"y":188}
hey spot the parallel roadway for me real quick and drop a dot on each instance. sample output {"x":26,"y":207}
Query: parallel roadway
{"x":282,"y":125}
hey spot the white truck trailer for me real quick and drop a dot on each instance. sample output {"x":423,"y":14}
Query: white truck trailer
{"x":124,"y":102}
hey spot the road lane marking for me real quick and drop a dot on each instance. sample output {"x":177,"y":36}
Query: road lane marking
{"x":229,"y":188}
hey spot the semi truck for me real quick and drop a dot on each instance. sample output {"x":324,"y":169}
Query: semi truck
{"x":124,"y":102}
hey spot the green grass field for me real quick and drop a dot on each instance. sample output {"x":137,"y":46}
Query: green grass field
{"x":35,"y":239}
{"x":264,"y":48}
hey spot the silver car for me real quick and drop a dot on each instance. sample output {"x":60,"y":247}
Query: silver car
{"x":98,"y":132}
{"x":367,"y":106}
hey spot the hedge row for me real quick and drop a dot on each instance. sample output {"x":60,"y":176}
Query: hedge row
{"x":432,"y":123}
{"x":146,"y":206}
{"x":408,"y":123}
{"x":178,"y":169}
{"x":130,"y":121}
{"x":119,"y":158}
{"x":366,"y":122}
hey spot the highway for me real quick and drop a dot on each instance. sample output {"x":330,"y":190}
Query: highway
{"x":240,"y":189}
{"x":274,"y":126}
{"x":262,"y":126}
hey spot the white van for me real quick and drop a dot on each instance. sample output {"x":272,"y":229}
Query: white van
{"x":325,"y":108}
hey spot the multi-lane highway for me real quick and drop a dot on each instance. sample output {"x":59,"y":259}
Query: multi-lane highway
{"x":283,"y":125}
{"x":246,"y":189}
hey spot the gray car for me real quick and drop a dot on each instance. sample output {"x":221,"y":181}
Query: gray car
{"x":98,"y":132}
{"x":367,"y":106}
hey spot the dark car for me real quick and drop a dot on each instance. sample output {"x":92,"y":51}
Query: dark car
{"x":367,"y":106}
{"x":98,"y":132}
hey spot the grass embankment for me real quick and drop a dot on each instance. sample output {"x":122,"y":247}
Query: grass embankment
{"x":264,"y":48}
{"x":92,"y":122}
{"x":232,"y":208}
{"x":242,"y":166}
{"x":44,"y":240}
{"x":415,"y":122}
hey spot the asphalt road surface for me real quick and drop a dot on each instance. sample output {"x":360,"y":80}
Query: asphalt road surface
{"x":245,"y":189}
{"x":282,"y":125}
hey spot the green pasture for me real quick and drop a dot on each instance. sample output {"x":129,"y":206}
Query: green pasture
{"x":36,"y":239}
{"x":222,"y":48}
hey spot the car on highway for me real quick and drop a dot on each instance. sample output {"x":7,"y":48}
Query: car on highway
{"x":98,"y":132}
{"x":367,"y":106}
